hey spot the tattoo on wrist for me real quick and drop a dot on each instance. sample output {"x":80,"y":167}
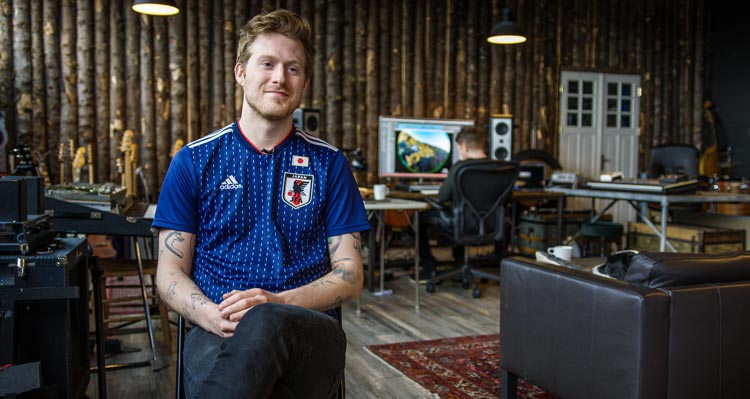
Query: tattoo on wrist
{"x":171,"y":239}
{"x":198,"y":299}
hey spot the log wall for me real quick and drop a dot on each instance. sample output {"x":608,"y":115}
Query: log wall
{"x":84,"y":71}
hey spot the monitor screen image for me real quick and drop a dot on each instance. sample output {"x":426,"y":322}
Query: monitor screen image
{"x":417,"y":148}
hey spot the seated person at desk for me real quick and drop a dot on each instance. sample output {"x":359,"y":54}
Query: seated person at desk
{"x":470,"y":142}
{"x":259,"y":270}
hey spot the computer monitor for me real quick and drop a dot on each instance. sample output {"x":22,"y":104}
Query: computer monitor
{"x":416,"y":148}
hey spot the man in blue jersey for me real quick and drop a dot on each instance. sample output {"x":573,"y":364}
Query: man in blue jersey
{"x":260,"y":235}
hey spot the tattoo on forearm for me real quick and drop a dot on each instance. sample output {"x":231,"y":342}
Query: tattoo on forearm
{"x":198,"y":299}
{"x":344,"y":273}
{"x":172,"y":237}
{"x":333,"y":245}
{"x":357,"y":241}
{"x":171,"y":290}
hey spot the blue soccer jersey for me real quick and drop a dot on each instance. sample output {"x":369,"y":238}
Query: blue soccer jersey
{"x":261,"y":220}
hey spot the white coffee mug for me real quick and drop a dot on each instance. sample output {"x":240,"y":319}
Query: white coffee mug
{"x":564,"y":252}
{"x":379,"y":191}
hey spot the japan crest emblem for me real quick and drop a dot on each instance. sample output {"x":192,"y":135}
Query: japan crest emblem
{"x":297,"y":189}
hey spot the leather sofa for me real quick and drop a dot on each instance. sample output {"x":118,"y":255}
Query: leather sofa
{"x":677,"y":326}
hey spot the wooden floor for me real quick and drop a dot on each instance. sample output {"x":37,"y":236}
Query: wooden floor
{"x":449,"y":312}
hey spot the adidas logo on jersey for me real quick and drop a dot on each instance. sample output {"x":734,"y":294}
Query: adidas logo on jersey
{"x":230,"y":184}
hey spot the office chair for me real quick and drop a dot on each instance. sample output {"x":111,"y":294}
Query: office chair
{"x":674,"y":159}
{"x":180,"y":384}
{"x":477,"y":214}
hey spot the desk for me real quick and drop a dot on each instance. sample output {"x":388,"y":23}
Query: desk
{"x":633,"y":198}
{"x":377,"y":209}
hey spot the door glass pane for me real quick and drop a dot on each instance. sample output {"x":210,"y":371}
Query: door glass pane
{"x":611,"y":104}
{"x":587,"y":104}
{"x":625,"y":121}
{"x":612,"y":89}
{"x":573,"y":87}
{"x":572,"y":103}
{"x":572,"y":119}
{"x":586,"y":120}
{"x":627,"y":89}
{"x":625,"y":105}
{"x":588,"y":87}
{"x":611,"y":120}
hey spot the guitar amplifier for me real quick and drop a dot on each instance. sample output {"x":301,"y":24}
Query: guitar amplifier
{"x":46,"y":294}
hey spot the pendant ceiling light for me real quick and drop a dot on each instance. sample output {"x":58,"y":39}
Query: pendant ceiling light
{"x":153,"y":7}
{"x":507,"y":30}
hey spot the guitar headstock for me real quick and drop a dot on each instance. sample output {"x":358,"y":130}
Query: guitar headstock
{"x":79,"y":159}
{"x":178,"y":144}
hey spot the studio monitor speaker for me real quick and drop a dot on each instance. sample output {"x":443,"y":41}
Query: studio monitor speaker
{"x":307,"y":119}
{"x":501,"y":137}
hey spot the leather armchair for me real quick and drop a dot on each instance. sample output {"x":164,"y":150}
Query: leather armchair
{"x":678,"y":326}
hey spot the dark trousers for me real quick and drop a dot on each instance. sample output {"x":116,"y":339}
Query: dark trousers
{"x":277,"y":351}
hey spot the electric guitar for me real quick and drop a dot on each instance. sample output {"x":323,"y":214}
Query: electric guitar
{"x":709,"y":161}
{"x":130,"y":153}
{"x":79,"y":160}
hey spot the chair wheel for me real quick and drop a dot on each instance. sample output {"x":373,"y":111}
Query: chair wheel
{"x":430,"y":288}
{"x":466,"y":284}
{"x":476,"y":293}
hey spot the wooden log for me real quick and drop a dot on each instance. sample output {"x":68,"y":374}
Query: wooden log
{"x":52,"y":86}
{"x":6,"y":59}
{"x":178,"y":84}
{"x":436,"y":86}
{"x":348,"y":85}
{"x":162,"y":104}
{"x":103,"y":163}
{"x":69,"y":98}
{"x":396,"y":60}
{"x":192,"y":72}
{"x":360,"y":82}
{"x":132,"y":71}
{"x":383,"y":57}
{"x":483,"y":64}
{"x":333,"y":68}
{"x":218,"y":71}
{"x":496,"y":64}
{"x":472,"y":69}
{"x":371,"y":90}
{"x":698,"y":73}
{"x":242,"y":15}
{"x":408,"y":57}
{"x":318,"y":84}
{"x":38,"y":115}
{"x":85,"y":73}
{"x":306,"y":10}
{"x":417,"y":94}
{"x":22,"y":72}
{"x":117,"y":93}
{"x":147,"y":139}
{"x":204,"y":66}
{"x":230,"y":44}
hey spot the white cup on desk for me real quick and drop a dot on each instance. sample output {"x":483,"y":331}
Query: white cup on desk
{"x":379,"y":191}
{"x":564,"y":252}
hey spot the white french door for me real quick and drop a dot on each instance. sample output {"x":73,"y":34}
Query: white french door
{"x":599,"y":127}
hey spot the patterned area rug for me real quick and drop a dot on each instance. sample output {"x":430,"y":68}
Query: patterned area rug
{"x":454,"y":368}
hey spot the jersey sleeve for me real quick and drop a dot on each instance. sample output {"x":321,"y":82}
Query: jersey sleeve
{"x":177,"y":208}
{"x":345,"y":212}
